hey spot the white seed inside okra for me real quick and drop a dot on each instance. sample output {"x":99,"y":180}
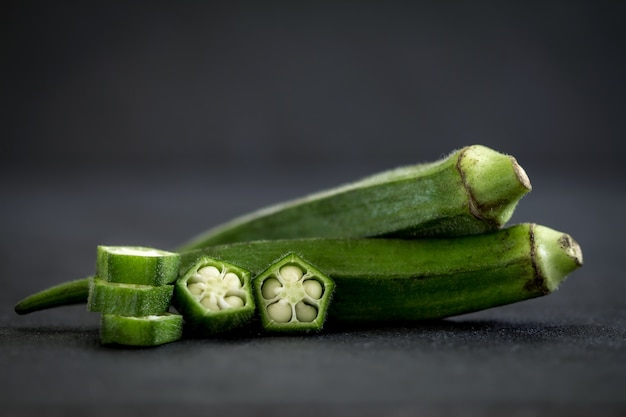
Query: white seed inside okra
{"x":280,"y":311}
{"x":217,"y":290}
{"x":313,"y":288}
{"x":291,"y":273}
{"x":271,"y":288}
{"x":305,"y":312}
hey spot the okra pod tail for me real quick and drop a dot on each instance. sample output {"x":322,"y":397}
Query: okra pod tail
{"x":67,"y":293}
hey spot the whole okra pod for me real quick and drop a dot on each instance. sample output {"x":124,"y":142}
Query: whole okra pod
{"x":473,"y":190}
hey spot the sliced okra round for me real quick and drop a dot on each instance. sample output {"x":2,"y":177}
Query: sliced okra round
{"x":150,"y":330}
{"x":137,"y":265}
{"x":293,"y":295}
{"x":214,"y":296}
{"x":128,"y":299}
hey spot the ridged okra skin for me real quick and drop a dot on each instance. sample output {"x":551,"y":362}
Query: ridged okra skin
{"x":152,"y":330}
{"x":396,"y":279}
{"x":137,"y":265}
{"x":473,"y":190}
{"x":214,"y":296}
{"x":292,"y":295}
{"x":128,"y":299}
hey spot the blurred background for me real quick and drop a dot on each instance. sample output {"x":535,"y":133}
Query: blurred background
{"x":147,"y":122}
{"x":231,"y":88}
{"x":300,"y":96}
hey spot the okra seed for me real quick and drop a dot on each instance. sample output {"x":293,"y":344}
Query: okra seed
{"x":232,"y":280}
{"x":210,"y":303}
{"x":291,"y":273}
{"x":280,"y":311}
{"x":270,"y":288}
{"x":234,"y":301}
{"x":196,"y":288}
{"x":305,"y":312}
{"x":209,"y":271}
{"x":313,"y":288}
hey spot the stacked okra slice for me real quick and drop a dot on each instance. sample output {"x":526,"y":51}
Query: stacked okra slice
{"x":133,"y":291}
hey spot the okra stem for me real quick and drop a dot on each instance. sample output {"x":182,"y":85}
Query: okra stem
{"x":473,"y":190}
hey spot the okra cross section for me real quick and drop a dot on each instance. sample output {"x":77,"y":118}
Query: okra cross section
{"x":293,"y":295}
{"x":214,"y":296}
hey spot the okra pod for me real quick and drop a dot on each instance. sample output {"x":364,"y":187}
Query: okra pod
{"x":397,"y":279}
{"x":473,"y":190}
{"x":430,"y":278}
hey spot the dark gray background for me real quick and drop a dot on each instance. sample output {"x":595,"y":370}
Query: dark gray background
{"x":146,"y":123}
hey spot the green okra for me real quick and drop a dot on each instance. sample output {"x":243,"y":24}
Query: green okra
{"x":419,"y":279}
{"x":397,"y":279}
{"x":128,"y":299}
{"x":473,"y":190}
{"x":214,"y":296}
{"x":293,"y":295}
{"x":137,"y":265}
{"x":151,"y":330}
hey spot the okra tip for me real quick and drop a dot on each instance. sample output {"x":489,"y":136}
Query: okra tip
{"x":555,"y":254}
{"x":495,"y":182}
{"x":64,"y":294}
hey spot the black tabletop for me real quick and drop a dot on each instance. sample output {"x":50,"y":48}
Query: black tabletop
{"x":564,"y":351}
{"x":146,"y":124}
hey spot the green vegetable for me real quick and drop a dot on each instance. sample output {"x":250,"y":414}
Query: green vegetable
{"x":149,"y":330}
{"x":137,"y":265}
{"x":128,"y":299}
{"x":214,"y":296}
{"x":473,"y":190}
{"x":67,"y":293}
{"x":293,"y":295}
{"x":395,"y":279}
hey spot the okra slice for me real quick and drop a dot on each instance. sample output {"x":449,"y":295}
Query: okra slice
{"x":128,"y":299}
{"x":214,"y":296}
{"x":151,"y":330}
{"x":293,"y":295}
{"x":137,"y":265}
